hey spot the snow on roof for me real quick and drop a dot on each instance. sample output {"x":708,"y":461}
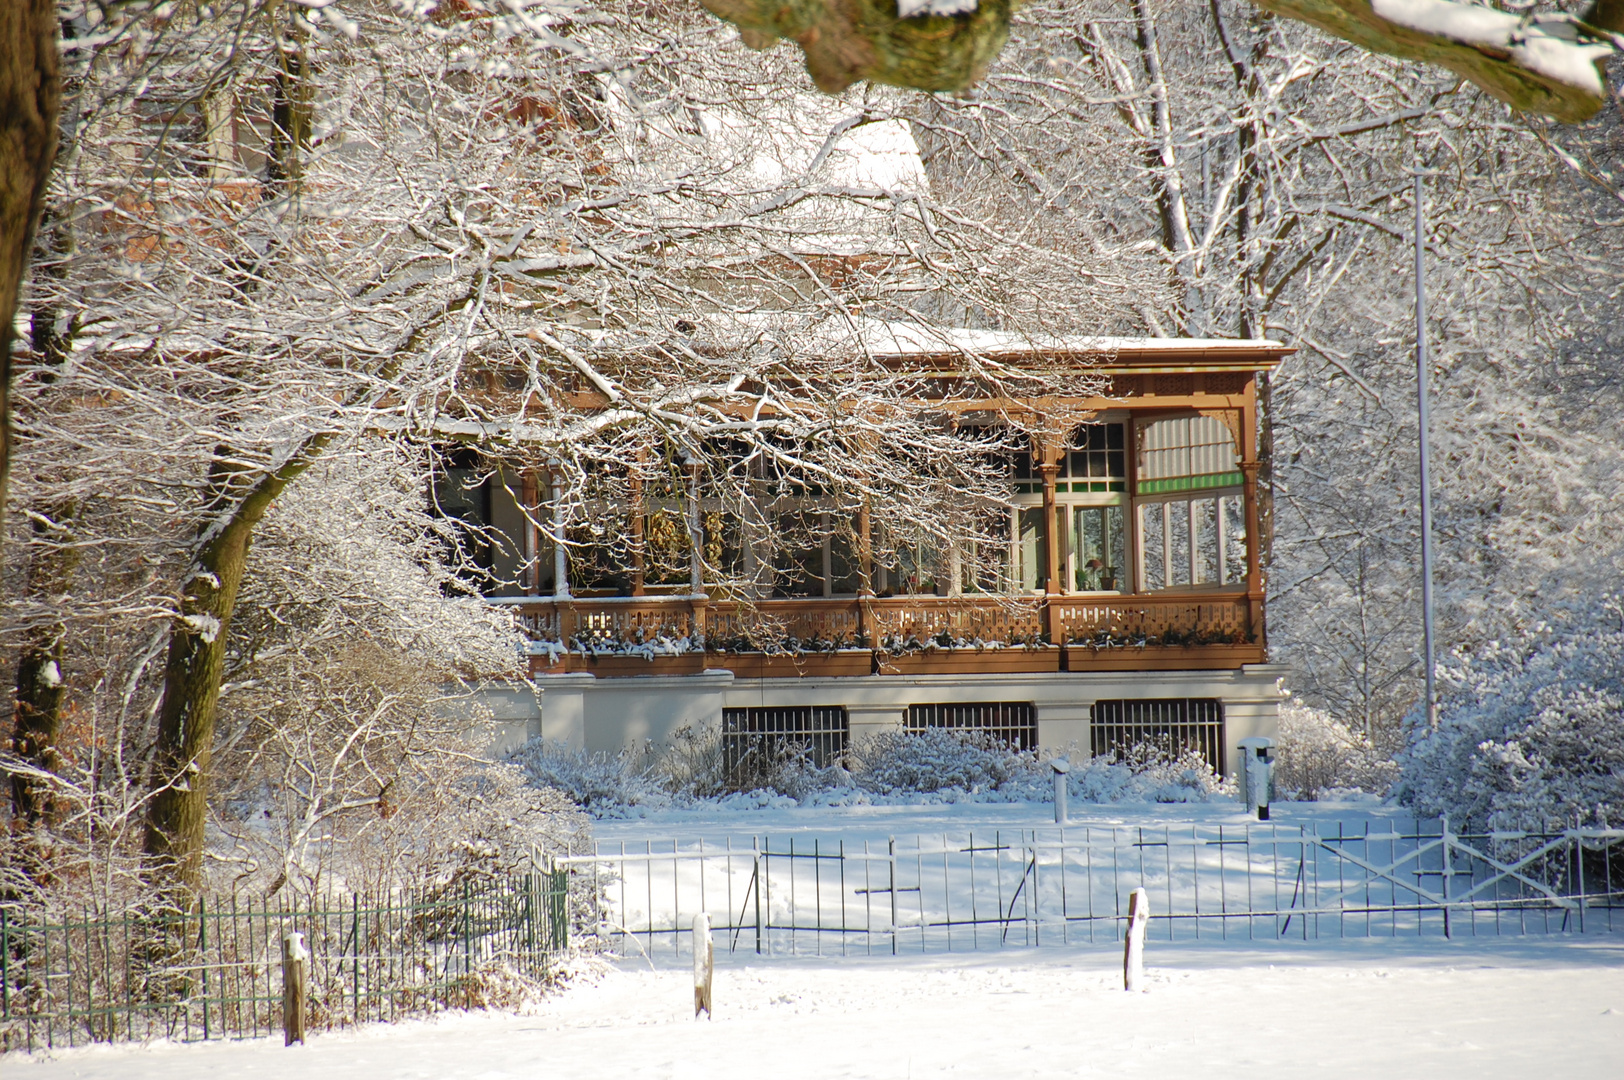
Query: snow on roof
{"x":911,"y":339}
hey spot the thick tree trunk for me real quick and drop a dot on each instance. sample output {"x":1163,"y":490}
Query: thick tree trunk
{"x":41,"y":685}
{"x":30,"y":98}
{"x":197,"y":651}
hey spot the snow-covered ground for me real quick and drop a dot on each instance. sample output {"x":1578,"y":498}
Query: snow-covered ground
{"x":737,"y":817}
{"x":1354,"y":1009}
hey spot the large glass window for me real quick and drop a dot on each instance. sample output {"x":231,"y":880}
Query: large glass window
{"x":1192,"y":540}
{"x":1031,"y":574}
{"x":1190,"y":515}
{"x":461,"y":494}
{"x":815,"y":554}
{"x":1097,"y":460}
{"x":1091,"y":489}
{"x":1099,"y":549}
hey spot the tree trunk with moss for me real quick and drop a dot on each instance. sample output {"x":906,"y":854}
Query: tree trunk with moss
{"x":178,"y":811}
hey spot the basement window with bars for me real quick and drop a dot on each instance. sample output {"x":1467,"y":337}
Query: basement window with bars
{"x":1013,"y":723}
{"x":1145,"y":729}
{"x":757,"y":740}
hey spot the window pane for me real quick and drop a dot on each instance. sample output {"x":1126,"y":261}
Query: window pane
{"x":1151,"y":543}
{"x":1096,"y":453}
{"x":1233,"y":511}
{"x":666,"y":546}
{"x":1204,"y":517}
{"x":1097,"y":537}
{"x":1029,"y":548}
{"x":844,"y":566}
{"x":797,"y":555}
{"x":1178,"y":538}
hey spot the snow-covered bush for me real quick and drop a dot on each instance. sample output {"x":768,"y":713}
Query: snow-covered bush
{"x":937,"y":765}
{"x":1149,"y":777}
{"x":1531,"y":735}
{"x":939,"y":759}
{"x":1318,"y":753}
{"x":603,"y":784}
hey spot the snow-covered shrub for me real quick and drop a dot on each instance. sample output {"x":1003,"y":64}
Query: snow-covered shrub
{"x":603,"y":784}
{"x":939,"y":759}
{"x":1531,"y":735}
{"x":1148,"y":777}
{"x":936,"y":765}
{"x":1317,"y":753}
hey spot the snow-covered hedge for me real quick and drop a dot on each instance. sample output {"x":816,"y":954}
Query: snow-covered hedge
{"x":1319,"y":755}
{"x":935,"y":766}
{"x":1531,"y":735}
{"x":604,"y":785}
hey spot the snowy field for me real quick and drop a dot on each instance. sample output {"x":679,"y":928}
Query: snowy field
{"x":1356,"y":1009}
{"x":780,"y":817}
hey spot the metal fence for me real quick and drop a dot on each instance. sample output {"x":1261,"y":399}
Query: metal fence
{"x":1013,"y":723}
{"x":217,"y":972}
{"x":1065,"y":886}
{"x":1167,"y":727}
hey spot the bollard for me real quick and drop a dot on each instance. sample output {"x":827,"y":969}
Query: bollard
{"x":1133,"y":946}
{"x":1255,"y":775}
{"x":704,"y":965}
{"x":295,"y":960}
{"x":1061,"y":811}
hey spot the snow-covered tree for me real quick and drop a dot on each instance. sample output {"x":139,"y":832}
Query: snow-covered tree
{"x":614,"y":250}
{"x":1531,"y":735}
{"x":1270,"y":172}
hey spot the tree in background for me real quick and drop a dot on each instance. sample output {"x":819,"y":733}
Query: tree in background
{"x":1269,"y":171}
{"x":290,"y":243}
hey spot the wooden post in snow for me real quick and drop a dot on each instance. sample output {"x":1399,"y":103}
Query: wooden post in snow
{"x":704,"y":965}
{"x":1133,"y":947}
{"x":295,"y":960}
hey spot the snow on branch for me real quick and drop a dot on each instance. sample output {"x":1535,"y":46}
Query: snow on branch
{"x":1542,"y":63}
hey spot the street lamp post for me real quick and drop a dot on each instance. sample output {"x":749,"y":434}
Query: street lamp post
{"x":1426,"y":472}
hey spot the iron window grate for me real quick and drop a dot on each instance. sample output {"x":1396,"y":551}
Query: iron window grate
{"x":756,"y":738}
{"x":1014,"y":723}
{"x":1164,"y":727}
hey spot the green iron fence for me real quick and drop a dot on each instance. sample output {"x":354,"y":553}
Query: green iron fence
{"x":216,"y":972}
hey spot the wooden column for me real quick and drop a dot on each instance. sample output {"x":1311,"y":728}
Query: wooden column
{"x":1051,"y":530}
{"x":865,"y":575}
{"x":1254,"y":569}
{"x":1051,"y":554}
{"x":634,"y":510}
{"x":561,"y":560}
{"x":530,"y":501}
{"x":697,"y":599}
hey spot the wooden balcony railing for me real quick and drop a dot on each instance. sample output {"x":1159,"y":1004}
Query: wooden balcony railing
{"x":608,"y":624}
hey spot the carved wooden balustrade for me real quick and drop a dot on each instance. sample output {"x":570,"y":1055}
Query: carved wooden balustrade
{"x":1160,"y":631}
{"x":1223,"y":618}
{"x":1006,"y":620}
{"x":776,"y":624}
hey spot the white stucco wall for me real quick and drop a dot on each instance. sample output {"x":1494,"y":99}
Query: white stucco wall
{"x":583,"y":711}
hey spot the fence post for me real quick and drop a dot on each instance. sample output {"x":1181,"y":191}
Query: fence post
{"x":755,"y":881}
{"x":1448,"y":869}
{"x":1133,"y":945}
{"x":891,"y":849}
{"x":1579,"y":857}
{"x":704,"y":965}
{"x":294,"y":958}
{"x":467,"y":947}
{"x":202,"y":958}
